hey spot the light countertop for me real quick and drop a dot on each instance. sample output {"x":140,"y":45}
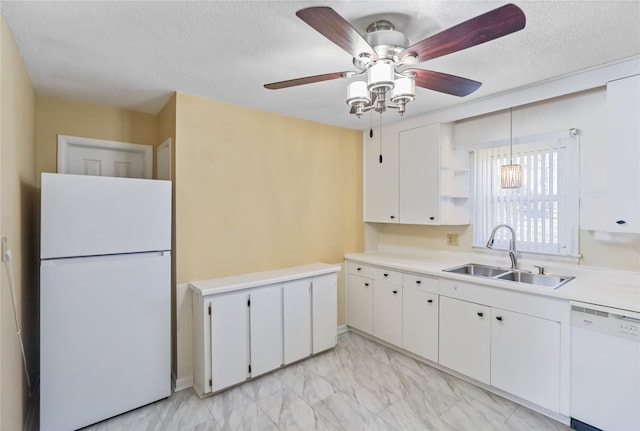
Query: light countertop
{"x":245,"y":281}
{"x":606,"y":287}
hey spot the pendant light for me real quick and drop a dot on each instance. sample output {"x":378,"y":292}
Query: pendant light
{"x":511,"y":175}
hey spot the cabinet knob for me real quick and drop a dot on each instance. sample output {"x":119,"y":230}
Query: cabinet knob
{"x":621,"y":222}
{"x":429,"y":301}
{"x":393,"y":216}
{"x":358,"y":268}
{"x":385,"y":274}
{"x":418,"y":282}
{"x":499,"y":318}
{"x":480,"y":314}
{"x":395,"y":291}
{"x":432,"y":218}
{"x":366,"y":284}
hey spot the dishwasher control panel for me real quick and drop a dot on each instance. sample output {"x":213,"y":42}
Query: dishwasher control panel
{"x":619,"y":324}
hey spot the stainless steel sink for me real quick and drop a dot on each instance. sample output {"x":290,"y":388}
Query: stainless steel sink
{"x":545,"y":280}
{"x":518,"y":276}
{"x":477,"y":270}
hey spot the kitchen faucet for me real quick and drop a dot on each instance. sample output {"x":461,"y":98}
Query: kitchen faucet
{"x":513,"y":253}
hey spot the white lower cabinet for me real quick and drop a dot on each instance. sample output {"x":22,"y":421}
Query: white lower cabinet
{"x":265,"y":314}
{"x":248,"y":325}
{"x":387,"y":312}
{"x":360,"y":303}
{"x":324,"y":312}
{"x":420,"y":317}
{"x":228,"y":341}
{"x":525,"y":357}
{"x":509,"y":340}
{"x":465,"y":338}
{"x":297,"y":320}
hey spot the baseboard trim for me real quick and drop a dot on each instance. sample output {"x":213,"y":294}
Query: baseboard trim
{"x":342,"y":329}
{"x":182,"y":383}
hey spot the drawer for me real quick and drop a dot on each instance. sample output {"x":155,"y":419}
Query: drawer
{"x":426,"y":284}
{"x":392,"y":277}
{"x":360,"y":269}
{"x":375,"y":273}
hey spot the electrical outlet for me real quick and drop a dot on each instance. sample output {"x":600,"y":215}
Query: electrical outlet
{"x":452,"y":239}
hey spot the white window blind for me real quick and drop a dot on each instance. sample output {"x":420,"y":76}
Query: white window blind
{"x":544,"y":211}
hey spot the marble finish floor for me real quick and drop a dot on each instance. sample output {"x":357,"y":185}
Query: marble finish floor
{"x":359,"y":385}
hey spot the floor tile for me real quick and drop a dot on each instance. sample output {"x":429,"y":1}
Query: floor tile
{"x":182,"y":411}
{"x":235,"y":410}
{"x":290,"y":412}
{"x":344,"y":413}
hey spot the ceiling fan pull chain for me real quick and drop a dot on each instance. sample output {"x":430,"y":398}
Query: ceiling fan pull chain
{"x":380,"y":133}
{"x":371,"y":124}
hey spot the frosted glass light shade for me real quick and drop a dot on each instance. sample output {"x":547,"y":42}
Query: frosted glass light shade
{"x":511,"y":176}
{"x":357,"y":93}
{"x":404,"y":89}
{"x":380,"y":77}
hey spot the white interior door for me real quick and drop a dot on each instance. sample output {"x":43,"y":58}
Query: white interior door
{"x":163,"y":160}
{"x":85,"y":156}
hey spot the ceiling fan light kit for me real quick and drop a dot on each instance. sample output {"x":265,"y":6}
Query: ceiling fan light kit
{"x":384,"y":53}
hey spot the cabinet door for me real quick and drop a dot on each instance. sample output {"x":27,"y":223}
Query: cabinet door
{"x":266,"y":329}
{"x":387,"y":312}
{"x":525,"y":357}
{"x":360,"y":303}
{"x":324,"y":312}
{"x":297,"y":320}
{"x":229,"y":339}
{"x":624,"y":143}
{"x":420,"y":322}
{"x":419,"y":155}
{"x":381,"y":179}
{"x":465,"y":338}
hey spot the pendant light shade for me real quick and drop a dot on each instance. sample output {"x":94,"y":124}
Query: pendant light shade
{"x":511,"y":175}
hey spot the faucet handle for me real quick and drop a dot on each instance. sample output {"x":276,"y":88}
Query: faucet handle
{"x":540,"y":269}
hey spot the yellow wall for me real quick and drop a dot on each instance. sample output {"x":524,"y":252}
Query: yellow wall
{"x":18,"y":223}
{"x":58,"y":116}
{"x":257,"y":191}
{"x":167,"y":129}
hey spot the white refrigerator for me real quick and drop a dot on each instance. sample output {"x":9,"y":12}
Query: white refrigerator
{"x":105,"y":297}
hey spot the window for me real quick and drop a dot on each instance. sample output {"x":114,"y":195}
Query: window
{"x":544,"y":211}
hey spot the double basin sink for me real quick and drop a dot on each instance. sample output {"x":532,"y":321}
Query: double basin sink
{"x":516,"y":275}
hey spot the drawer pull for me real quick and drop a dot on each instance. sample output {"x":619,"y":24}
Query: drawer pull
{"x":429,"y":301}
{"x":480,"y":314}
{"x":366,"y":284}
{"x":395,"y":291}
{"x":358,"y":269}
{"x":621,"y":222}
{"x":418,"y":282}
{"x":385,"y":274}
{"x":499,"y":318}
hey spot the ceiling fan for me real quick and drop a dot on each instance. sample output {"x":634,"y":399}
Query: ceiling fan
{"x":385,"y":57}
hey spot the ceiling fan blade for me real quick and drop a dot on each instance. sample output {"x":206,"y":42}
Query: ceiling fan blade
{"x":444,"y":83}
{"x":327,"y":22}
{"x":305,"y":80}
{"x":492,"y":25}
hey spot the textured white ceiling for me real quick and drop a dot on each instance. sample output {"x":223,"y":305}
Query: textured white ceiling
{"x":134,"y":54}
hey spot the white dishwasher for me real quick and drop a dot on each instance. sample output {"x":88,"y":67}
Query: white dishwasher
{"x":605,"y":368}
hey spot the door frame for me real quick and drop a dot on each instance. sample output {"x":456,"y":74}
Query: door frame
{"x":66,"y":143}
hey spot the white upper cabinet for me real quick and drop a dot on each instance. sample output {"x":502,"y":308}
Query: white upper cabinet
{"x":381,"y":179}
{"x":616,"y":206}
{"x":421,"y":179}
{"x":420,"y":175}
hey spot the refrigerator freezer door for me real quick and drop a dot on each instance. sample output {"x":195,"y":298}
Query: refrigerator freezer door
{"x":105,"y":337}
{"x":90,"y":216}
